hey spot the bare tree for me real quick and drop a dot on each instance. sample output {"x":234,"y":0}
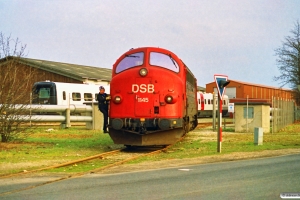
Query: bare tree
{"x":289,"y":59}
{"x":15,"y":82}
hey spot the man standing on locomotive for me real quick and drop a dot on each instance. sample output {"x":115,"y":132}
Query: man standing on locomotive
{"x":103,"y":101}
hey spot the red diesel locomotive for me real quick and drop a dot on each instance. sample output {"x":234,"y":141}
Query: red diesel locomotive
{"x":153,"y":98}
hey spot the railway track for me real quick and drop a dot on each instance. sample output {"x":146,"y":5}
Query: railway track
{"x":117,"y":157}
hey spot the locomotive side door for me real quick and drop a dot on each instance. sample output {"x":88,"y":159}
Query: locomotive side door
{"x":143,"y":89}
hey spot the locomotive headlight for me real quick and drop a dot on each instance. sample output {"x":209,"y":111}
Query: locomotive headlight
{"x":143,"y":72}
{"x":117,"y":99}
{"x":169,"y":99}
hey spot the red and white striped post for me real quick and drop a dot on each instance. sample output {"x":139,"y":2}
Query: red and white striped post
{"x":219,"y":124}
{"x":221,"y":82}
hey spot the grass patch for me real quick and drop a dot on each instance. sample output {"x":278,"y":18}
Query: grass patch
{"x":192,"y":147}
{"x":44,"y":148}
{"x":48,"y":148}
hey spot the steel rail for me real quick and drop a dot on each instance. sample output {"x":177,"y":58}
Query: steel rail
{"x":90,"y":171}
{"x":63,"y":164}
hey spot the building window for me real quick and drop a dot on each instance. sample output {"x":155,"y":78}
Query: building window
{"x":250,"y":112}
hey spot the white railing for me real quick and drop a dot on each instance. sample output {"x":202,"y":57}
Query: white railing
{"x":44,"y":113}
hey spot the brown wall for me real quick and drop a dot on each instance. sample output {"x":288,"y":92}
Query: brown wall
{"x":253,"y":91}
{"x":37,"y":75}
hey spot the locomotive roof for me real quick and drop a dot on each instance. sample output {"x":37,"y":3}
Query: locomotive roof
{"x":78,"y":72}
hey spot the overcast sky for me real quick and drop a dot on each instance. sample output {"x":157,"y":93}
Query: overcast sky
{"x":232,"y":37}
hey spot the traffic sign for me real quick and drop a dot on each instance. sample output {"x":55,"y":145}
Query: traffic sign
{"x":231,"y":107}
{"x":221,"y":81}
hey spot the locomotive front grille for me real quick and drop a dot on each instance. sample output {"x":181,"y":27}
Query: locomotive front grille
{"x":142,"y":125}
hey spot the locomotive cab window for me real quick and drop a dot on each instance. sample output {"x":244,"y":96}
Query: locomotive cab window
{"x":163,"y":60}
{"x":44,"y":93}
{"x":130,"y":61}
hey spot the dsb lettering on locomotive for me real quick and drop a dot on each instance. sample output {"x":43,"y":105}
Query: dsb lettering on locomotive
{"x":143,"y":88}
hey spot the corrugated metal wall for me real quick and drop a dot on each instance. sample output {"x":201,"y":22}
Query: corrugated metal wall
{"x":253,"y":91}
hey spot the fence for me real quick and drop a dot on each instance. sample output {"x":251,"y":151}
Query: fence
{"x":80,"y":113}
{"x":283,"y":113}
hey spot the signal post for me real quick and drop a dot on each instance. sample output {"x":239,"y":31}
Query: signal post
{"x":221,"y":82}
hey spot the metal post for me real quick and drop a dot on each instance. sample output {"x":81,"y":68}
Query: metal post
{"x":93,"y":114}
{"x":214,"y":111}
{"x":233,"y":118}
{"x":68,"y":113}
{"x":30,"y":112}
{"x":219,"y":125}
{"x":273,"y":111}
{"x":247,"y":116}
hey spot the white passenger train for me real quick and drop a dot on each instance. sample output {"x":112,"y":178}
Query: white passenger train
{"x":57,"y":93}
{"x":205,"y":104}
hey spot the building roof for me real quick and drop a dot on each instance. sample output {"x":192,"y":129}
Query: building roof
{"x":254,"y":84}
{"x":199,"y":88}
{"x":78,"y":72}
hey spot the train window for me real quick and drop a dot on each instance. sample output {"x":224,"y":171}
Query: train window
{"x":88,"y":96}
{"x":163,"y":60}
{"x":64,"y":95}
{"x":130,"y":61}
{"x":208,"y":101}
{"x":204,"y":101}
{"x":76,"y":96}
{"x":44,"y":93}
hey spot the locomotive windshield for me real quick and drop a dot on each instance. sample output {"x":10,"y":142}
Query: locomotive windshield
{"x":44,"y":93}
{"x":163,"y":60}
{"x":130,"y":61}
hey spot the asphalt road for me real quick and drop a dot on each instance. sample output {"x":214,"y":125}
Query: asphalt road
{"x":249,"y":179}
